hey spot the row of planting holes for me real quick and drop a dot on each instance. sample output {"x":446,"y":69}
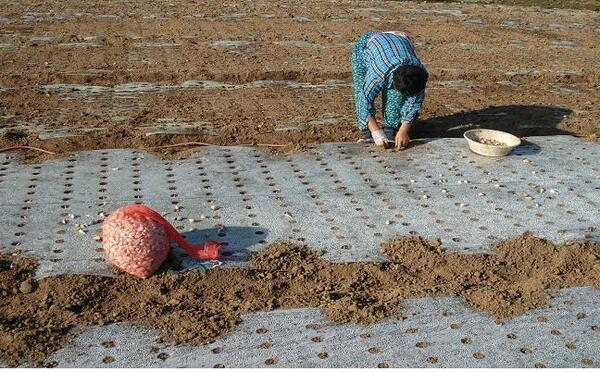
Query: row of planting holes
{"x":276,"y":189}
{"x":206,"y":185}
{"x":19,"y":235}
{"x":65,"y":206}
{"x":368,"y":222}
{"x":301,"y":176}
{"x":534,"y":187}
{"x":241,"y":189}
{"x":174,"y":198}
{"x":338,"y":185}
{"x":433,"y":213}
{"x":531,"y":205}
{"x":136,"y":179}
{"x":331,"y":221}
{"x":374,"y":187}
{"x":229,"y":160}
{"x":3,"y":169}
{"x":172,"y":190}
{"x":448,"y":195}
{"x":512,"y":338}
{"x":102,"y":188}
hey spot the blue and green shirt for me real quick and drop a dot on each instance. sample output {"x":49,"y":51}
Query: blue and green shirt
{"x":383,"y":53}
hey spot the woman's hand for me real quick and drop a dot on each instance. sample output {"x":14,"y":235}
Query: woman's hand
{"x":372,"y":124}
{"x":377,"y":133}
{"x":402,"y":138}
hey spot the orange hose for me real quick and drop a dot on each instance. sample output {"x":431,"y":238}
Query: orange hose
{"x":181,"y":144}
{"x":210,"y":144}
{"x":149,"y":148}
{"x":27,"y":148}
{"x":262,"y":145}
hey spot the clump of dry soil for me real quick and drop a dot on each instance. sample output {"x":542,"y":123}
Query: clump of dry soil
{"x":38,"y":317}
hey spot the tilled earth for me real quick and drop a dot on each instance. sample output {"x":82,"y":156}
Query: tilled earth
{"x":246,"y":72}
{"x":91,"y":75}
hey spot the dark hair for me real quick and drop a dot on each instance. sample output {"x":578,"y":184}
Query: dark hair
{"x":410,"y":80}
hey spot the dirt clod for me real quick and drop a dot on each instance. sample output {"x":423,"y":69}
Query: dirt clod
{"x":26,"y":287}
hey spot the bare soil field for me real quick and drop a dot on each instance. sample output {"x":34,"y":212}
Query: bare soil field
{"x":97,"y":75}
{"x":235,"y":73}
